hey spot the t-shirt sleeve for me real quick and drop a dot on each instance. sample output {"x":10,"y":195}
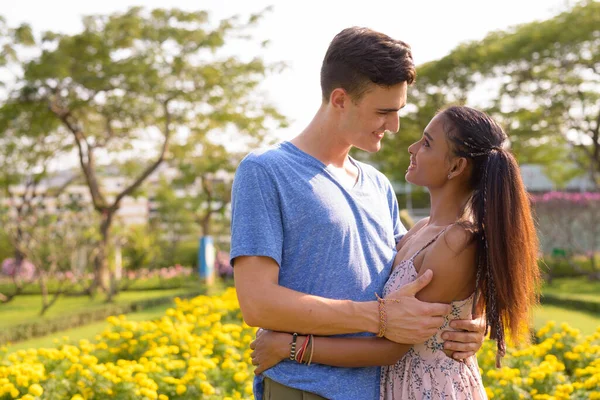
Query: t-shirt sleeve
{"x":256,"y":225}
{"x":399,"y":229}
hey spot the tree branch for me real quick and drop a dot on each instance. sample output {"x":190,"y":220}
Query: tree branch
{"x":64,"y":186}
{"x":86,"y":157}
{"x":110,"y":133}
{"x":151,"y":168}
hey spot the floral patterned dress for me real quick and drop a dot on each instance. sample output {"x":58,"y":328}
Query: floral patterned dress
{"x":425,"y":371}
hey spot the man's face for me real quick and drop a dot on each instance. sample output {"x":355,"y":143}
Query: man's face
{"x":365,"y":122}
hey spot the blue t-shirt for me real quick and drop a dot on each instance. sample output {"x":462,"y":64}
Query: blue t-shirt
{"x":329,"y":240}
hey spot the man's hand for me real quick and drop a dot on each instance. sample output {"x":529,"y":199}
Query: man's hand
{"x":469,"y":341}
{"x":409,"y":320}
{"x":270,"y":348}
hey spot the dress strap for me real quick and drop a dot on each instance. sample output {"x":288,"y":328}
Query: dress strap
{"x":430,"y":242}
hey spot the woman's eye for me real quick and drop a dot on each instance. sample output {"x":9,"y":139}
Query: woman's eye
{"x":426,"y":143}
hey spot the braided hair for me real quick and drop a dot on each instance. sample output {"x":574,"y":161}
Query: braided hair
{"x":507,"y":273}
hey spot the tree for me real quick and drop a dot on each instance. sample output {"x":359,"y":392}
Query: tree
{"x":25,"y":189}
{"x":48,"y":231}
{"x":172,"y":221}
{"x":541,"y":80}
{"x":135,"y":80}
{"x":208,"y":167}
{"x":195,"y":202}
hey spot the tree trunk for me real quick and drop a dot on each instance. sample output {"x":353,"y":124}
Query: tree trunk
{"x":44,"y":289}
{"x":206,"y":223}
{"x":102,"y":278}
{"x":594,"y":274}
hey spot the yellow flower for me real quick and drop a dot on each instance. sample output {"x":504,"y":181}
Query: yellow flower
{"x":181,"y":389}
{"x":248,"y":388}
{"x":36,"y":389}
{"x":240,"y":377}
{"x":207,"y":388}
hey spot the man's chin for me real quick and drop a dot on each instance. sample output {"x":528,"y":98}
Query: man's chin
{"x":373,"y":148}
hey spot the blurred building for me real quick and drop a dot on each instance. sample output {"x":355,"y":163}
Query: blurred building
{"x":134,"y":210}
{"x":533,"y":176}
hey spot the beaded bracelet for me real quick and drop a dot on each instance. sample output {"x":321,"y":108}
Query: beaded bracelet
{"x":293,"y":349}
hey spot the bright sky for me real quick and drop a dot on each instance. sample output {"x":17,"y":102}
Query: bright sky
{"x":300,"y":31}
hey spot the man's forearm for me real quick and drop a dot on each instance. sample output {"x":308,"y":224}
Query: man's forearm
{"x":278,"y":308}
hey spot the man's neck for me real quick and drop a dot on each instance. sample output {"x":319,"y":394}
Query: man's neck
{"x":322,"y":140}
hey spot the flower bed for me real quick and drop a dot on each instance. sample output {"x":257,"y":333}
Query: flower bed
{"x":200,"y":350}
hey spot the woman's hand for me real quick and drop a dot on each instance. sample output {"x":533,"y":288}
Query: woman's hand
{"x":469,"y":338}
{"x":270,"y":348}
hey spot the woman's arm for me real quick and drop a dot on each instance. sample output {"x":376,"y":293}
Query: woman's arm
{"x":452,"y":260}
{"x":272,"y":347}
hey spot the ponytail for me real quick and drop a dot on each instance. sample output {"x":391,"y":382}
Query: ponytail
{"x":507,"y":249}
{"x":508,"y":276}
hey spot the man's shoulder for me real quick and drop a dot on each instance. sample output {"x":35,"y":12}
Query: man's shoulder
{"x":373,"y":173}
{"x":266,"y":156}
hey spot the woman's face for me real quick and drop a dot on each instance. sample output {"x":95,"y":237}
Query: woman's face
{"x":430,"y":156}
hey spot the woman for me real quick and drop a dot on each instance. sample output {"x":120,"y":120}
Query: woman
{"x":481,"y":244}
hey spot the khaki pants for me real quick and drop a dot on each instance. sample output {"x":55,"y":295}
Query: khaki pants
{"x":277,"y":391}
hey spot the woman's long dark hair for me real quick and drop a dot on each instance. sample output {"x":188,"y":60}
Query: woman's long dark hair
{"x":507,"y":246}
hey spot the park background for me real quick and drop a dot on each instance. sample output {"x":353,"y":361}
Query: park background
{"x":122,"y":123}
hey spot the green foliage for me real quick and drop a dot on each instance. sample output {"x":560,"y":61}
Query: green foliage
{"x":569,"y":266}
{"x":6,"y":248}
{"x":141,"y":247}
{"x":542,"y":83}
{"x":10,"y":41}
{"x":187,"y":254}
{"x":130,"y":85}
{"x":572,"y":303}
{"x":206,"y":171}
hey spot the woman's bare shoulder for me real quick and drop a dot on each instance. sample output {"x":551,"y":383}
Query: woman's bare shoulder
{"x":458,"y":238}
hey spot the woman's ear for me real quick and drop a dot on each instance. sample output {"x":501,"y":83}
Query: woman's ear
{"x":459,"y":166}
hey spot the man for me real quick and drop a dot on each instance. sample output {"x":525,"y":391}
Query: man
{"x":314,"y":232}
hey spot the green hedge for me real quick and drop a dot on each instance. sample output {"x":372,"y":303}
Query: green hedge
{"x":44,"y":328}
{"x":154,"y":283}
{"x":574,"y":304}
{"x":571,"y":266}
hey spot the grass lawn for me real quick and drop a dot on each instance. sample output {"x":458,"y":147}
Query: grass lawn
{"x":88,"y":331}
{"x":586,"y":322}
{"x":26,"y":308}
{"x":574,"y":288}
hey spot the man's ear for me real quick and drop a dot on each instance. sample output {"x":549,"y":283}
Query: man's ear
{"x":339,"y":98}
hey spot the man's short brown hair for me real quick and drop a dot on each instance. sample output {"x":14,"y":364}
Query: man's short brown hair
{"x":358,"y":57}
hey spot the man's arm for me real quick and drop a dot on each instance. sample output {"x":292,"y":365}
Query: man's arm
{"x":266,"y":304}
